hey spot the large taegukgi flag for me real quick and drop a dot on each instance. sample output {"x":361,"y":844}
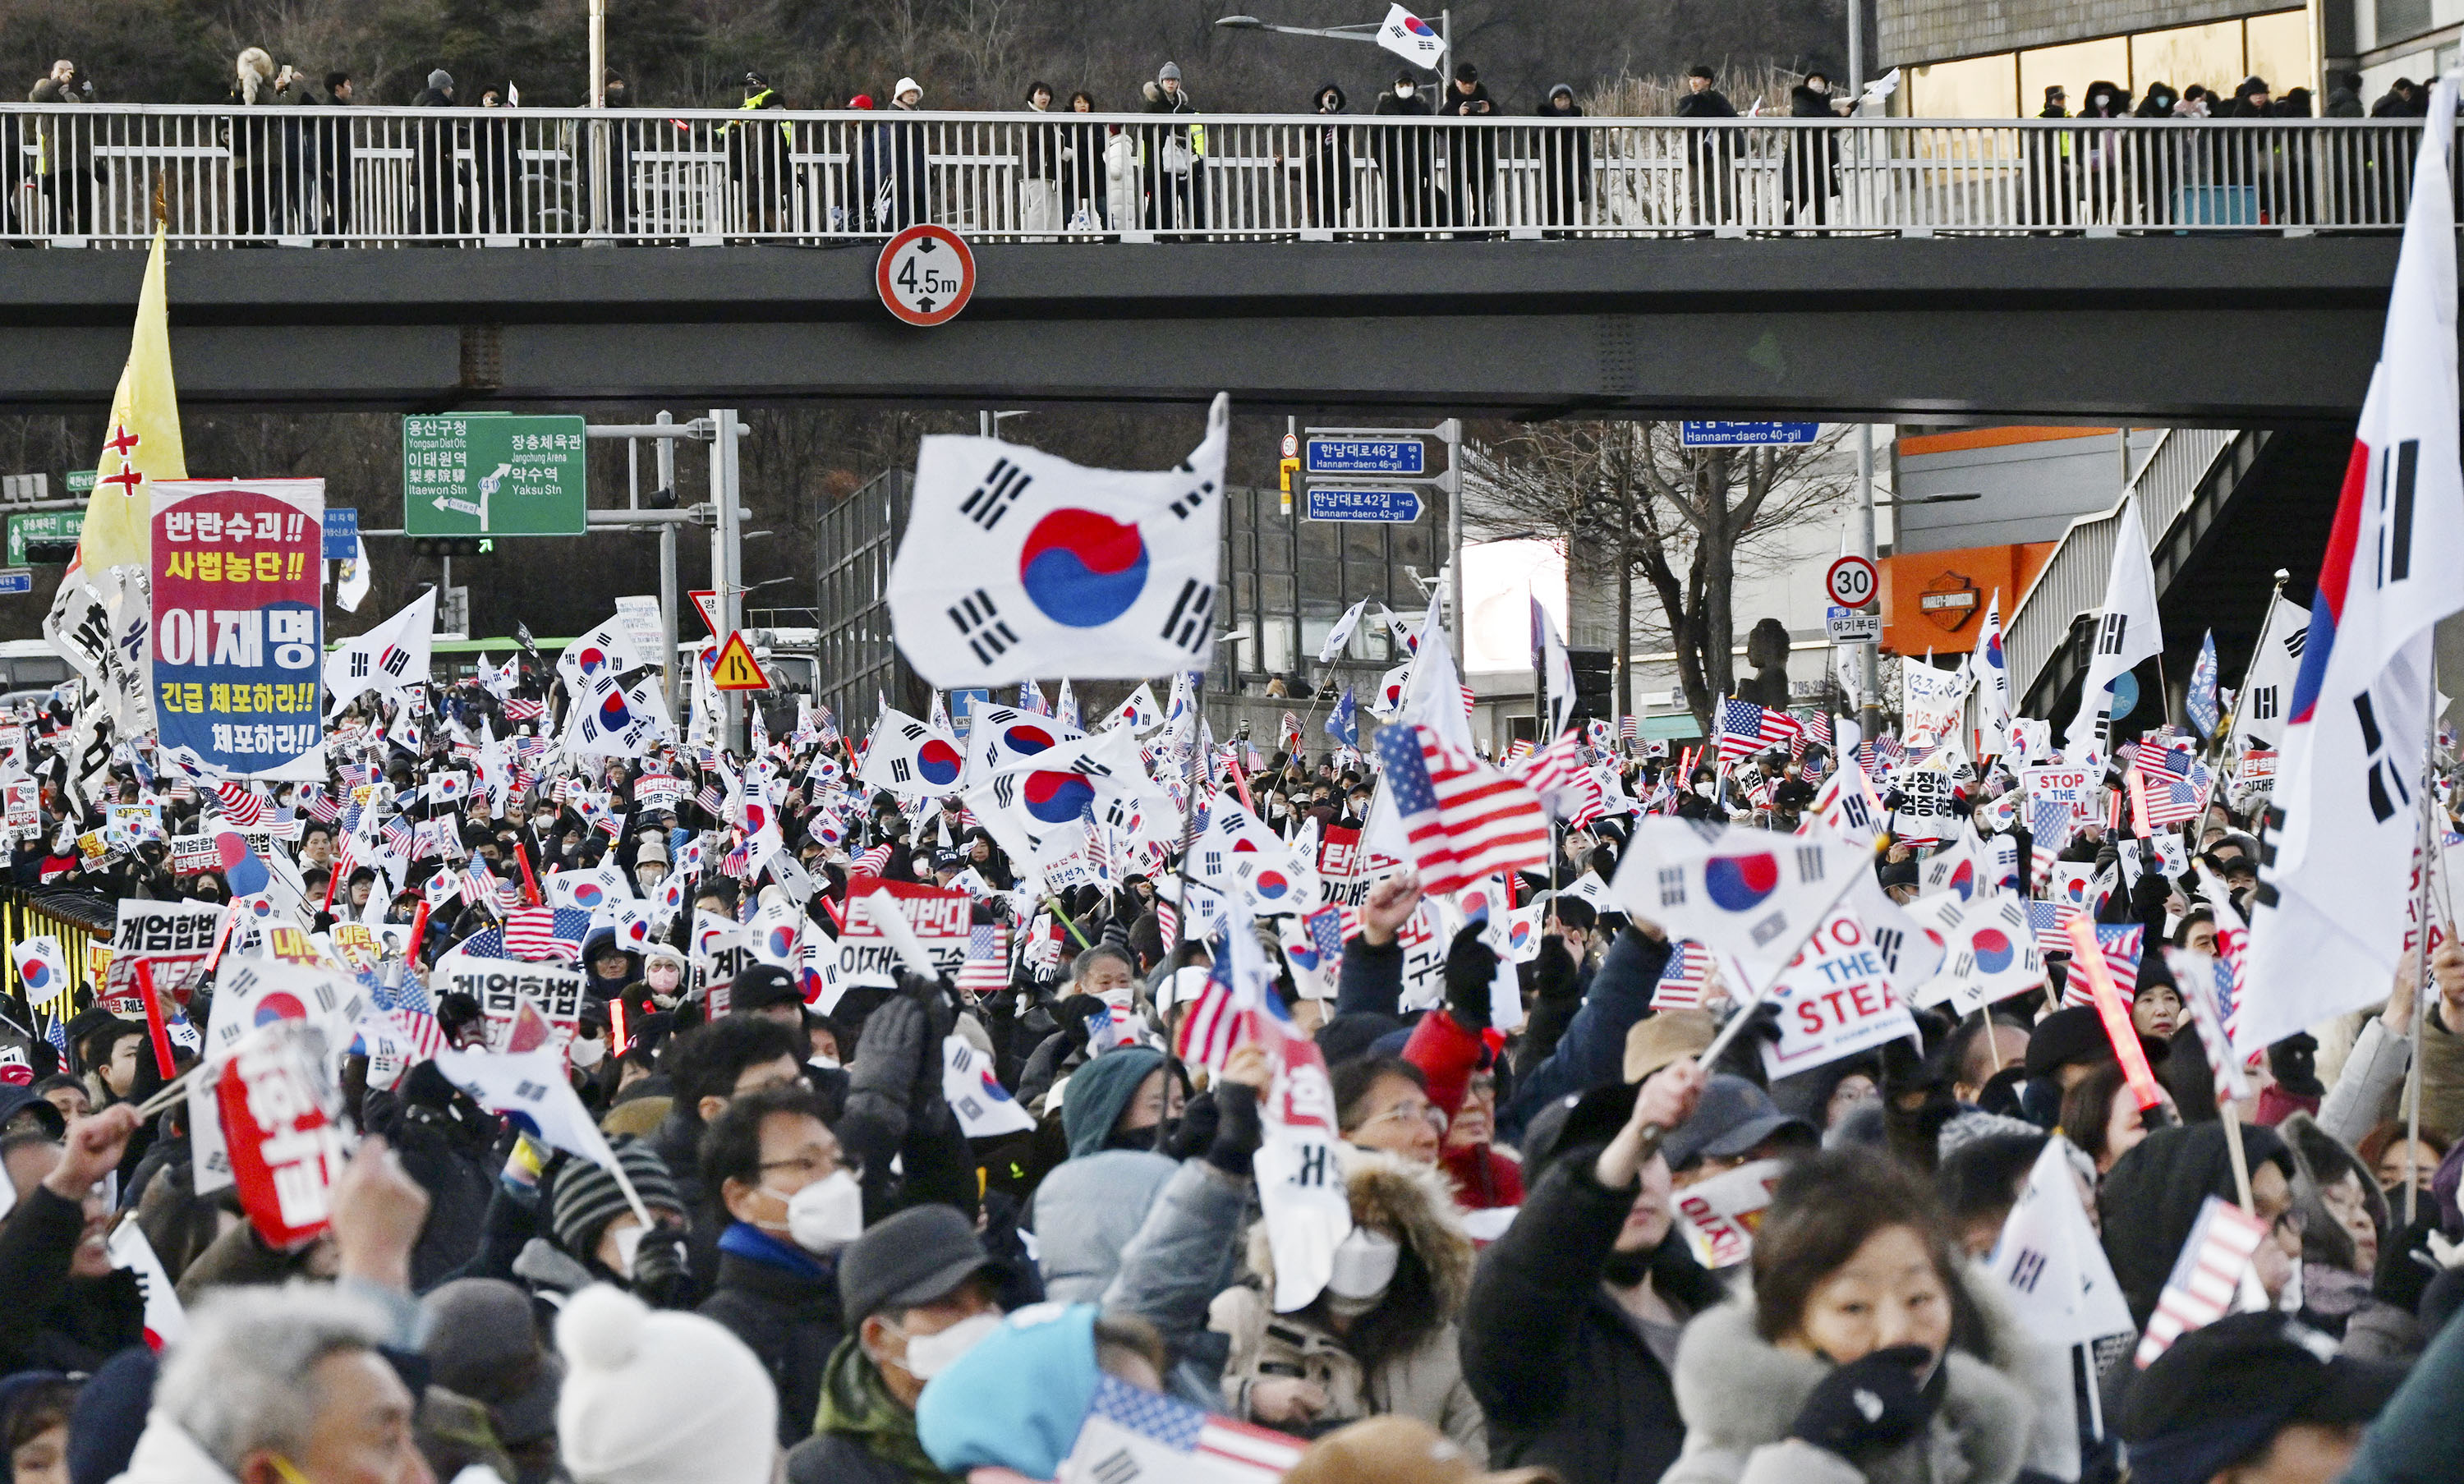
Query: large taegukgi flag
{"x":2335,"y":863}
{"x":1016,"y":563}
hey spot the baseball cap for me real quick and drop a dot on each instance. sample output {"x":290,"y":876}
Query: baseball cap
{"x":761,"y":986}
{"x":482,"y":1342}
{"x":2222,"y":1391}
{"x":1397,"y":1450}
{"x":922,"y":1254}
{"x":1733,"y":1117}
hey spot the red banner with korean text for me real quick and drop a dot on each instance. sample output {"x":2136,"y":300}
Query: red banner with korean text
{"x":235,"y":660}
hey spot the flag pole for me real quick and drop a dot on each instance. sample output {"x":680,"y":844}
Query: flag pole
{"x":2426,"y":987}
{"x":1189,"y":802}
{"x":2231,"y":1115}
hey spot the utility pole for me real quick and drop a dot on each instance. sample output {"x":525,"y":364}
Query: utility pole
{"x":1451,"y":430}
{"x":1869,"y":684}
{"x":1856,"y":53}
{"x":667,"y":616}
{"x":727,"y":550}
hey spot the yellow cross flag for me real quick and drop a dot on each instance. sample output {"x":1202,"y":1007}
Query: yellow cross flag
{"x":142,"y":444}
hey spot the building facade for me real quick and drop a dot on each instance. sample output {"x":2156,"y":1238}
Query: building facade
{"x":1960,"y":59}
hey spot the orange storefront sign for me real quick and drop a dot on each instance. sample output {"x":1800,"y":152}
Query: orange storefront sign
{"x":1936,"y":600}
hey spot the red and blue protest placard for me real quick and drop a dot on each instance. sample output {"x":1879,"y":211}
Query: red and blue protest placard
{"x":237,"y":653}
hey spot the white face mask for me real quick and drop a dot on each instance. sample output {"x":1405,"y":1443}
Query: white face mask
{"x":930,"y":1355}
{"x":629,"y":1244}
{"x":825,"y":1064}
{"x":1704,"y":790}
{"x":825,"y":1215}
{"x":1364,"y":1264}
{"x":586,"y":1053}
{"x":1404,"y":90}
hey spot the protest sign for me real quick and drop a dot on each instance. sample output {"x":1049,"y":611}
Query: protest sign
{"x":1721,"y":1212}
{"x":942,"y":922}
{"x":1833,"y":999}
{"x":235,"y":655}
{"x":175,"y":936}
{"x":280,"y":1123}
{"x":23,"y":800}
{"x":501,"y":984}
{"x":657,"y":791}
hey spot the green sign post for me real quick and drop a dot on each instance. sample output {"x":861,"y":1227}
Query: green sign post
{"x":62,"y":527}
{"x":491,"y":473}
{"x":81,"y":480}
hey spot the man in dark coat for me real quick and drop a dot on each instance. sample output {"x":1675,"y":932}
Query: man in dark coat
{"x":1571,"y":1327}
{"x":1403,"y":155}
{"x":775,"y":1292}
{"x":437,"y":167}
{"x":67,"y":1308}
{"x":1713,"y":192}
{"x":1472,"y":154}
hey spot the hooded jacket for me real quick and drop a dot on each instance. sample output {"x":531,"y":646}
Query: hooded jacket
{"x":861,"y":1436}
{"x":1740,"y":1395}
{"x":2154,"y":1193}
{"x":1563,"y":1374}
{"x":50,"y":1320}
{"x":1423,"y":1376}
{"x":2335,"y":1296}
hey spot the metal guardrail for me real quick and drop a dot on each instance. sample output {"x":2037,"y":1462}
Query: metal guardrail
{"x":85,"y":175}
{"x":2071,"y":584}
{"x":82,"y":921}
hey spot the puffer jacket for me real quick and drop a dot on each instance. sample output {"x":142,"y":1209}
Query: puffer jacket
{"x":1740,"y":1395}
{"x":1423,"y":1378}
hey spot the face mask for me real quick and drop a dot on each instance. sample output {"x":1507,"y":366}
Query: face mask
{"x":825,"y":1064}
{"x":1702,"y":790}
{"x":1364,"y":1264}
{"x":827,"y":1214}
{"x":1404,"y":90}
{"x":585,"y":1052}
{"x":930,"y":1355}
{"x":661,"y":977}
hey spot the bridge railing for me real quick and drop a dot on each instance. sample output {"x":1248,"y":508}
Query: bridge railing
{"x":88,"y":175}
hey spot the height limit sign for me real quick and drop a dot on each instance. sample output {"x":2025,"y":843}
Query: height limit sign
{"x":925,"y":275}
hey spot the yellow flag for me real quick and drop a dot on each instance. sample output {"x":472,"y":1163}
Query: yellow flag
{"x":142,"y":444}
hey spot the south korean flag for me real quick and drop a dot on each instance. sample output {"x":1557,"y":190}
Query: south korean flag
{"x":1018,"y":564}
{"x":910,"y":758}
{"x":1004,"y":739}
{"x":614,"y":719}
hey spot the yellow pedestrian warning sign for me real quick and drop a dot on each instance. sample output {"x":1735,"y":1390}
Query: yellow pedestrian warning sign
{"x":734,"y":669}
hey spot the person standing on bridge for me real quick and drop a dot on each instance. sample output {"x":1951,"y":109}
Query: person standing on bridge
{"x":757,"y":157}
{"x":1326,"y":168}
{"x":63,"y":153}
{"x":1176,"y":158}
{"x":908,"y":158}
{"x":333,"y":155}
{"x":436,"y":162}
{"x":1708,"y":183}
{"x":2051,"y":151}
{"x":1813,"y":153}
{"x":1039,"y":189}
{"x":1403,"y":155}
{"x":1565,"y":164}
{"x":1472,"y":154}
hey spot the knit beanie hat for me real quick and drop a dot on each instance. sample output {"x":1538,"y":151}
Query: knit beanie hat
{"x":587,"y":1198}
{"x":652,"y":1396}
{"x":440,"y":79}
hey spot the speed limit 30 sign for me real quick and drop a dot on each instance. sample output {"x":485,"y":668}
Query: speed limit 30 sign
{"x":1849,"y":583}
{"x":925,"y":274}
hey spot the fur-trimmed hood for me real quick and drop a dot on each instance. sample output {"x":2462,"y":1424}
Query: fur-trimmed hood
{"x":1738,"y":1393}
{"x":1411,"y":1201}
{"x":2320,"y":1159}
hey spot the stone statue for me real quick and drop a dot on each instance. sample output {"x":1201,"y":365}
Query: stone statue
{"x":1767,"y":651}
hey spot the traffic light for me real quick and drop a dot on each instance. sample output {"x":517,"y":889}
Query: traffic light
{"x":446,"y":546}
{"x":1595,"y":683}
{"x":50,"y":553}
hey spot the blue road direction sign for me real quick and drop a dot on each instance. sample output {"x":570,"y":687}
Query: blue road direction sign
{"x":1365,"y":456}
{"x":342,"y":534}
{"x":1745,"y":435}
{"x":1344,"y":502}
{"x":17,"y":579}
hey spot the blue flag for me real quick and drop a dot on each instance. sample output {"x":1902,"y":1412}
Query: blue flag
{"x":1343,"y":723}
{"x":2201,"y":704}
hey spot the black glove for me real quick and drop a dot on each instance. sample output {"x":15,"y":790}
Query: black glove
{"x":1870,"y":1405}
{"x":1074,"y":1013}
{"x":661,"y":1279}
{"x":1194,"y":1134}
{"x":1555,"y":976}
{"x":1238,"y":1133}
{"x":1471,"y":964}
{"x":894,"y":1040}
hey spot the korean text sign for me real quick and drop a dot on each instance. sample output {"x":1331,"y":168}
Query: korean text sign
{"x":238,"y":650}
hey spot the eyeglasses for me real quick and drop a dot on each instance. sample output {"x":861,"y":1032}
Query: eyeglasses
{"x":814,"y":1166}
{"x":1407,"y":1113}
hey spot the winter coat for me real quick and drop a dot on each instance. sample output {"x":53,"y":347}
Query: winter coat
{"x":2153,"y":1195}
{"x":1424,"y":1377}
{"x":1592,"y":1052}
{"x":783,"y":1303}
{"x":1740,"y":1395}
{"x":1562,"y":1373}
{"x":166,"y":1454}
{"x":2335,"y":1292}
{"x":1186,"y":1252}
{"x":1086,"y":1211}
{"x":2415,"y":1436}
{"x":1709,"y":104}
{"x":48,"y":1319}
{"x":2442,"y":1073}
{"x":861,"y":1436}
{"x":443,"y":1139}
{"x":1447,"y":1053}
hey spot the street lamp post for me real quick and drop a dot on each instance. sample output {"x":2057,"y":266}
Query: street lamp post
{"x":1364,"y":30}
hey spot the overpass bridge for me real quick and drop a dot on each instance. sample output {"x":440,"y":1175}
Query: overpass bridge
{"x":2228,"y":274}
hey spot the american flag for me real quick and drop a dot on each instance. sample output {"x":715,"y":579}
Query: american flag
{"x":1558,"y":775}
{"x":2050,"y":922}
{"x":1628,"y":728}
{"x":538,"y":933}
{"x":398,"y":836}
{"x":1133,"y":1433}
{"x":1745,"y":729}
{"x":524,"y":708}
{"x":2208,"y":992}
{"x":2121,"y":948}
{"x":1816,"y":724}
{"x":872,"y":863}
{"x":1682,"y":983}
{"x":479,"y":883}
{"x":2169,"y":787}
{"x":408,"y":1006}
{"x":711,"y":800}
{"x":2206,"y":1276}
{"x":321,"y":805}
{"x":240,"y":805}
{"x":986,"y":969}
{"x":1167,"y":920}
{"x":1466,"y":819}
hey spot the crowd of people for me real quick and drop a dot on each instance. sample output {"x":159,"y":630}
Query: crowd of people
{"x":800,"y":1247}
{"x":297,"y":174}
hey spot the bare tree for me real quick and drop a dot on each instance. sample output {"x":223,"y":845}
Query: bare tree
{"x":1630,"y":498}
